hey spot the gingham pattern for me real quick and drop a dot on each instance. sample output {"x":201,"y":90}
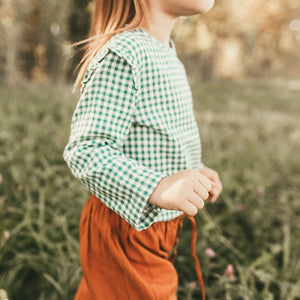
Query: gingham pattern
{"x":133,"y":125}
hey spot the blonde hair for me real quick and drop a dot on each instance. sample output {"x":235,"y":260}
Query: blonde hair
{"x":109,"y":18}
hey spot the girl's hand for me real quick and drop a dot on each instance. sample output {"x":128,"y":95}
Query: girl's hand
{"x":186,"y":191}
{"x":213,"y":176}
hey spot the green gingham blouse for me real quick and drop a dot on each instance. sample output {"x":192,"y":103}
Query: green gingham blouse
{"x":133,"y":125}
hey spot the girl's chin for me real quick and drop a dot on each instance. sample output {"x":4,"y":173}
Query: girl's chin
{"x":207,"y":5}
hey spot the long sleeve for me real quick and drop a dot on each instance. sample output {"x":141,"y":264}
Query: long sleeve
{"x":100,"y":125}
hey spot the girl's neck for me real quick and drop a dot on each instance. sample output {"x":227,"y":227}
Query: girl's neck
{"x":159,"y":25}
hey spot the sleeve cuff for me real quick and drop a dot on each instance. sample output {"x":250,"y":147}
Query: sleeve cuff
{"x":148,"y":211}
{"x":201,"y":166}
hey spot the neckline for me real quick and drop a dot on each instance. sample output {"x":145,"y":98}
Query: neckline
{"x":171,"y":42}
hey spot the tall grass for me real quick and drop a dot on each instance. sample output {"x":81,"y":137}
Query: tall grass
{"x":250,"y":133}
{"x":40,"y":201}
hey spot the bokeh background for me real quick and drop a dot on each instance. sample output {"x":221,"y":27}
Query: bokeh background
{"x":243,"y":63}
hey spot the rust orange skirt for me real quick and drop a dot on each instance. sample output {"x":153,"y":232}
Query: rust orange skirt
{"x":119,"y":262}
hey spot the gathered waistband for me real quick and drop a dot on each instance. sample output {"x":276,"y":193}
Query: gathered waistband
{"x":161,"y":237}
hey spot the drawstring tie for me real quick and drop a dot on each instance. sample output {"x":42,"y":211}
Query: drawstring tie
{"x":194,"y":255}
{"x":193,"y":252}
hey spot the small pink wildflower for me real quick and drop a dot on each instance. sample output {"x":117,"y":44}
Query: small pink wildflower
{"x":229,"y":272}
{"x":210,"y":252}
{"x":192,"y":285}
{"x":240,"y":207}
{"x":261,"y":190}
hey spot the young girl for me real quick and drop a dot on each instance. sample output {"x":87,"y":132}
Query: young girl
{"x":135,"y":145}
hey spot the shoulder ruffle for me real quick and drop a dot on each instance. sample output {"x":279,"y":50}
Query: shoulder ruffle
{"x":126,"y":45}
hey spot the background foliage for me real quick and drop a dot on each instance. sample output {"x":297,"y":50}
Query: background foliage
{"x":237,"y":38}
{"x":250,"y":133}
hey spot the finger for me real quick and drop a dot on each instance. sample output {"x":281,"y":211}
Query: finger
{"x":214,"y":196}
{"x":196,"y":201}
{"x":218,"y":183}
{"x":201,"y":191}
{"x":213,"y":175}
{"x":189,"y":208}
{"x":213,"y":199}
{"x":213,"y":184}
{"x":205,"y":182}
{"x":220,"y":186}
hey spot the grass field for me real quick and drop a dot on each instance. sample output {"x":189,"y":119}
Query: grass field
{"x":250,"y":133}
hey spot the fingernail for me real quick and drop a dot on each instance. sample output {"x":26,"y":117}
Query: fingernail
{"x":212,"y":185}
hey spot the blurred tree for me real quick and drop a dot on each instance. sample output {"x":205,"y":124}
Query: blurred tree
{"x":236,"y":38}
{"x":35,"y":38}
{"x":12,"y":17}
{"x":45,"y":38}
{"x":79,"y":27}
{"x":242,"y":37}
